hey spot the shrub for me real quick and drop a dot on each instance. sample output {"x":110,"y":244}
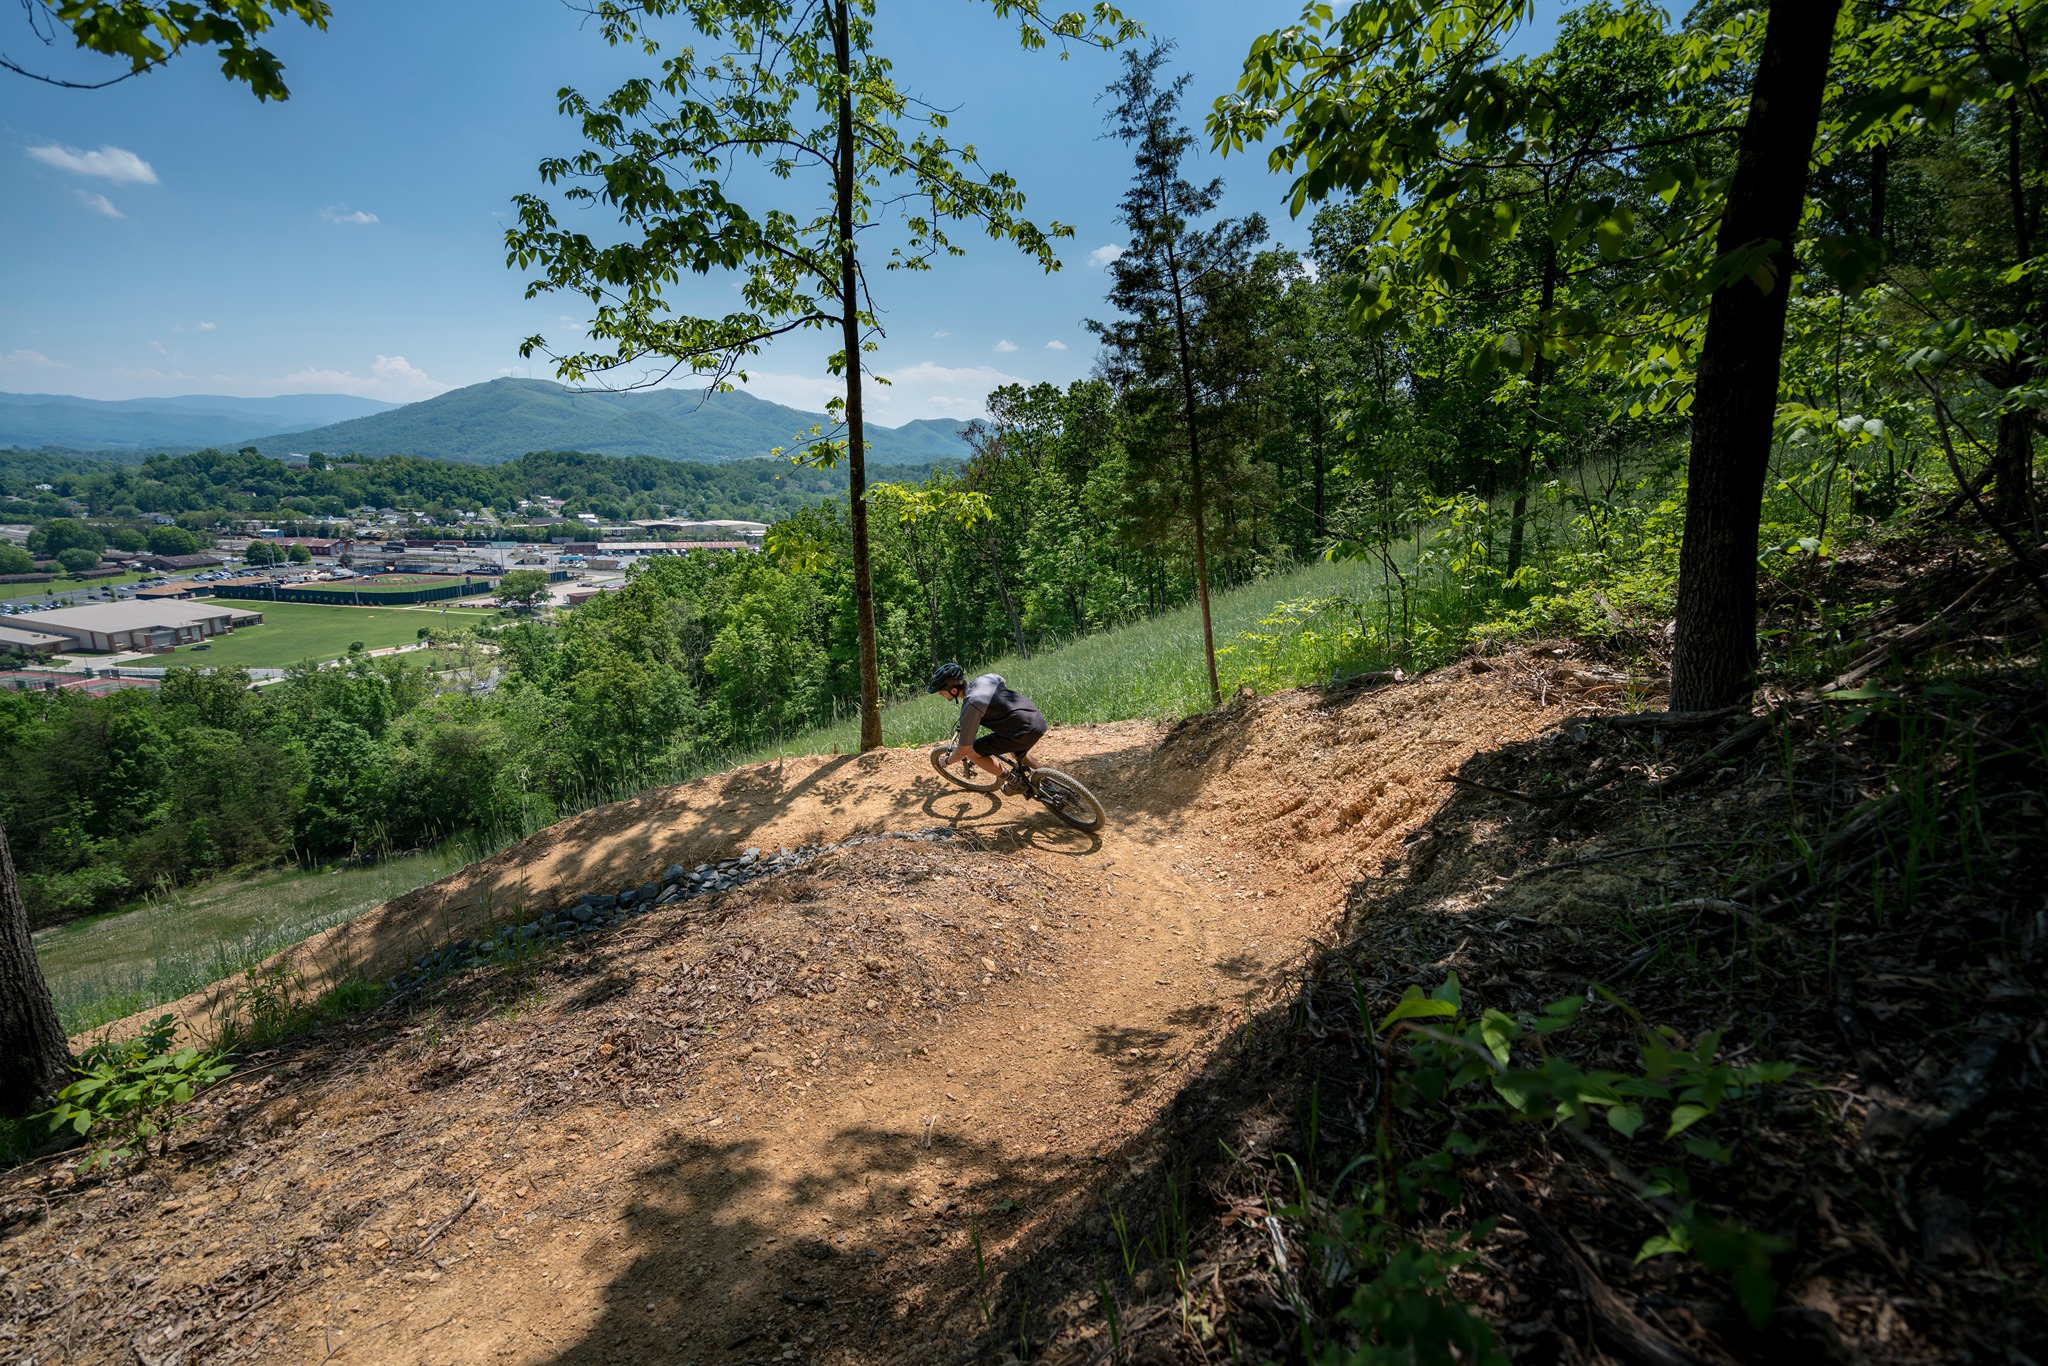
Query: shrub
{"x":128,"y":1093}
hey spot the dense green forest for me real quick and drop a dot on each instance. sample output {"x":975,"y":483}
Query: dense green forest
{"x":211,"y":487}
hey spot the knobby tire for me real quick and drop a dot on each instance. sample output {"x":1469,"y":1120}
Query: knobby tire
{"x":1069,"y":800}
{"x":956,"y":774}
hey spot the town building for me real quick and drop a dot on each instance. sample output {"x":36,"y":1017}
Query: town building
{"x":170,"y":564}
{"x":113,"y":627}
{"x":21,"y":640}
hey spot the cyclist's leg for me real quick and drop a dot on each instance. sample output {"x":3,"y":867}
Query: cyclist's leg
{"x":1024,"y":746}
{"x":984,"y":753}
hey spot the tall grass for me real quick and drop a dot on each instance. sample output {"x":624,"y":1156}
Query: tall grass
{"x":1266,"y":634}
{"x":111,"y":966}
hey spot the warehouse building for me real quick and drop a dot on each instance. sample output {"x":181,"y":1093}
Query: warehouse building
{"x":20,"y":640}
{"x":119,"y":626}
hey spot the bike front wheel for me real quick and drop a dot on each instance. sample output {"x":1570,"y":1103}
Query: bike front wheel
{"x":1069,"y":800}
{"x":964,"y":774}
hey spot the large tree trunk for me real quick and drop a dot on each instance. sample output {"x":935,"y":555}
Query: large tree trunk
{"x":856,"y":436}
{"x":1735,"y":398}
{"x":33,"y":1053}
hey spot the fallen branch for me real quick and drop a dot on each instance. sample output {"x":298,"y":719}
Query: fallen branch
{"x":1874,"y":660}
{"x":1740,"y":742}
{"x":1668,"y":720}
{"x":1491,"y":790}
{"x":1615,"y":1321}
{"x":443,"y":1225}
{"x":1608,"y":858}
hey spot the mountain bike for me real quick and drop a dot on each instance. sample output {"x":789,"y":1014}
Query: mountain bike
{"x":1069,"y":800}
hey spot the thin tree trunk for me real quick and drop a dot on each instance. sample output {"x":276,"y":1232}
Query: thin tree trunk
{"x":33,"y":1053}
{"x":993,"y":556}
{"x":1322,"y":525}
{"x":856,"y":436}
{"x":1526,"y":458}
{"x":2012,"y":461}
{"x":1735,"y":398}
{"x":1187,"y":389}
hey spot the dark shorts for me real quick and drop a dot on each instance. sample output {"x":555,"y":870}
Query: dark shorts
{"x":988,"y":746}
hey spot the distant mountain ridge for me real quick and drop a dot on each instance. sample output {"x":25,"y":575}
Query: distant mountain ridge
{"x":503,"y":419}
{"x":488,"y":423}
{"x":182,"y":423}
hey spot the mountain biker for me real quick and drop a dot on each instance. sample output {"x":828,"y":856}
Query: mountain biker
{"x":1013,"y":719}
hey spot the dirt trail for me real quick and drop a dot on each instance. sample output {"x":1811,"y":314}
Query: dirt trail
{"x":790,"y":1127}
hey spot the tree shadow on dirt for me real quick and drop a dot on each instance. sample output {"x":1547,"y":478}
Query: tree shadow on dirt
{"x":736,"y":1262}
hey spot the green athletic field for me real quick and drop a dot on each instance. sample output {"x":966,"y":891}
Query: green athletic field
{"x":294,"y":632}
{"x":382,"y":585}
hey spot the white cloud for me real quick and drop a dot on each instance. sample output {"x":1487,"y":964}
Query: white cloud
{"x":392,"y":378}
{"x":1055,"y":345}
{"x":1005,"y":346}
{"x":1102,"y":256}
{"x":158,"y":347}
{"x":98,"y":203}
{"x":942,"y":334}
{"x":341,"y":213}
{"x":152,"y":375}
{"x":195,"y":327}
{"x":108,"y":163}
{"x":25,"y":357}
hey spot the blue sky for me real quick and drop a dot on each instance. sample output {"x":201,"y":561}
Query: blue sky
{"x":172,"y":235}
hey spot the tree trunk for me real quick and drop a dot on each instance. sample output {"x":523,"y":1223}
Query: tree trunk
{"x":1322,"y":524}
{"x":1525,"y":459}
{"x":2012,"y":472}
{"x":2012,"y":461}
{"x":995,"y":571}
{"x":1187,"y":389}
{"x":1735,"y":398}
{"x":856,"y":436}
{"x":33,"y":1053}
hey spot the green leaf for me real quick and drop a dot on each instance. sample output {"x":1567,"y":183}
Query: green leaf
{"x":1683,"y":1117}
{"x":1415,"y":1006}
{"x":1498,"y":1032}
{"x":1672,"y":1239}
{"x":1625,"y":1119}
{"x":1449,"y":992}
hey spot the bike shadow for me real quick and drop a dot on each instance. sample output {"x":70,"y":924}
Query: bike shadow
{"x":964,"y":810}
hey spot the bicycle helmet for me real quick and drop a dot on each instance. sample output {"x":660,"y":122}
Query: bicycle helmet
{"x":945,"y":676}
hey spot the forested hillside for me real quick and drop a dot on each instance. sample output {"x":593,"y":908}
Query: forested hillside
{"x":212,"y":487}
{"x":502,"y":419}
{"x":33,"y":420}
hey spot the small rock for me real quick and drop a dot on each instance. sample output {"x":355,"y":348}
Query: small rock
{"x":750,"y":856}
{"x":648,"y":891}
{"x":675,"y":873}
{"x":584,"y":915}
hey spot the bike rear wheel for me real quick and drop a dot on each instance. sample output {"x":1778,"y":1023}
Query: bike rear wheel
{"x":963,"y":774}
{"x":1069,"y":800}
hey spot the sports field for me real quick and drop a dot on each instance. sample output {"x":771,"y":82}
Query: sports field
{"x":295,"y":632}
{"x":380,"y":585}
